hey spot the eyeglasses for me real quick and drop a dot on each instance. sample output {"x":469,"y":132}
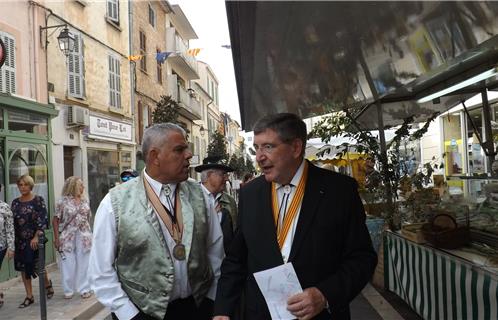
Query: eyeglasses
{"x":266,"y":148}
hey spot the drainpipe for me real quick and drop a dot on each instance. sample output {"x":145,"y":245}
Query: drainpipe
{"x":132,"y":78}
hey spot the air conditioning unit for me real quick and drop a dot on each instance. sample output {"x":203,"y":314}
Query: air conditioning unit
{"x":77,"y":116}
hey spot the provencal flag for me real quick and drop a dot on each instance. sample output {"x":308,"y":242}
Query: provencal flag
{"x":135,"y":58}
{"x":193,"y":52}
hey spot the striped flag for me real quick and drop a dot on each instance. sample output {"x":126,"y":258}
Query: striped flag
{"x":135,"y":58}
{"x":193,"y":52}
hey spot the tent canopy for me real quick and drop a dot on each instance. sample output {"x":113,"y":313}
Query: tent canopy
{"x":311,"y":58}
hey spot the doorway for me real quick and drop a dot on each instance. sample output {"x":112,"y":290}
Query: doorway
{"x":68,"y":162}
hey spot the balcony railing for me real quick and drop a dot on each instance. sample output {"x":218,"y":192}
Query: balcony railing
{"x":188,"y":102}
{"x":174,"y":43}
{"x":183,"y":97}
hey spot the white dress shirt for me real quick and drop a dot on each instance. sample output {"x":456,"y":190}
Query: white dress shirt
{"x":212,"y":199}
{"x":103,"y":277}
{"x":286,"y":248}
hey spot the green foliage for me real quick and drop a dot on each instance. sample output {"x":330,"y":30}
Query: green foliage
{"x":345,"y":125}
{"x":167,"y":110}
{"x":249,"y":166}
{"x":217,"y":147}
{"x":241,"y":165}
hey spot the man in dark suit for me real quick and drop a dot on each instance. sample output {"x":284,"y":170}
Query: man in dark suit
{"x":296,"y":213}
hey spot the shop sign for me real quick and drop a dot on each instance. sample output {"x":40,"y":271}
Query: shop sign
{"x":110,"y":128}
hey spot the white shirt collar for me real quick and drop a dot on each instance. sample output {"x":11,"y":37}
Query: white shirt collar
{"x":209,"y":193}
{"x":297,"y":176}
{"x":157,"y":186}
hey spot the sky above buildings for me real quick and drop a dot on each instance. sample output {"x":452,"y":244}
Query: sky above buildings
{"x":208,"y":18}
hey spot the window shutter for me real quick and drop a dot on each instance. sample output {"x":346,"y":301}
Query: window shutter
{"x":112,"y":10}
{"x":76,"y":81}
{"x":118,"y":83}
{"x":8,"y":70}
{"x":114,"y":82}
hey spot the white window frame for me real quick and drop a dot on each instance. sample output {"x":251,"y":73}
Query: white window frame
{"x":114,"y":71}
{"x":112,"y":10}
{"x":8,"y":79}
{"x":152,"y":21}
{"x":75,"y":69}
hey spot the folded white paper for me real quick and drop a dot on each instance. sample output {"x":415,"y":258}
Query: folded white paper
{"x":277,"y":285}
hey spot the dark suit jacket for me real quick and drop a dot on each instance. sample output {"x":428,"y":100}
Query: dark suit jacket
{"x":331,"y":249}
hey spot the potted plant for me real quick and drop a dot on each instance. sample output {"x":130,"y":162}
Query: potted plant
{"x":390,"y":171}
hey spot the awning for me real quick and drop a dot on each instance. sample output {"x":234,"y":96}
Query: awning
{"x":311,"y":58}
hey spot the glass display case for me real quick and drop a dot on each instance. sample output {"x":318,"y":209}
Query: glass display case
{"x":476,"y":203}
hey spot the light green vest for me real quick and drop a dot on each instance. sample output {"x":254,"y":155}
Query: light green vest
{"x":143,"y":263}
{"x":228,"y":202}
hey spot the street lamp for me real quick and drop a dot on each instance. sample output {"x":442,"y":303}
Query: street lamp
{"x":202,"y":131}
{"x":65,"y":38}
{"x":66,"y":41}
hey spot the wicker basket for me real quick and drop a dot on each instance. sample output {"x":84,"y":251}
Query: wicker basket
{"x":451,"y":236}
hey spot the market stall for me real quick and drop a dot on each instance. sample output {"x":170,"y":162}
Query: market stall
{"x":441,"y":284}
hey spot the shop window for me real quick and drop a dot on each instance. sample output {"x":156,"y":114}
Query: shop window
{"x":104,"y":168}
{"x":475,"y":152}
{"x":2,"y":170}
{"x":28,"y":159}
{"x":8,"y":70}
{"x":28,"y":122}
{"x":453,"y":144}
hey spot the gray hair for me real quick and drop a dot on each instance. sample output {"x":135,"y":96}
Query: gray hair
{"x":205,"y":174}
{"x":156,"y":136}
{"x":288,"y":126}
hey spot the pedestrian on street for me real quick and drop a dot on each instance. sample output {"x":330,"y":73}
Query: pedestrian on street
{"x":214,"y":175}
{"x":298,"y":213}
{"x":6,"y":235}
{"x":30,"y":222}
{"x":157,"y":245}
{"x":73,"y":237}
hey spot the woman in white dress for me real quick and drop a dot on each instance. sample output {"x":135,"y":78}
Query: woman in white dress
{"x":73,"y":237}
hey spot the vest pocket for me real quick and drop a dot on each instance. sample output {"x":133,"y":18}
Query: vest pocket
{"x":135,"y":286}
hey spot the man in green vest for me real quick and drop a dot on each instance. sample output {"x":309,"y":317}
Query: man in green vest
{"x":157,"y":243}
{"x":214,"y":175}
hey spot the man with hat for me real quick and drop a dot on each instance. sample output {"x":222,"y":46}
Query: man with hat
{"x":214,"y":175}
{"x":128,"y":174}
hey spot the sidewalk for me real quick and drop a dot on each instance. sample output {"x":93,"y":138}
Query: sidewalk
{"x":369,"y":305}
{"x":58,"y":308}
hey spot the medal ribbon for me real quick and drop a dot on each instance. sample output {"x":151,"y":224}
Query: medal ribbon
{"x":292,"y":211}
{"x":175,"y":228}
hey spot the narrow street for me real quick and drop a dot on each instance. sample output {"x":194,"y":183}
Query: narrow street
{"x":369,"y":305}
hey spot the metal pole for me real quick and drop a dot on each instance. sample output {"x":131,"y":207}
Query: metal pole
{"x":41,"y":276}
{"x":489,"y":144}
